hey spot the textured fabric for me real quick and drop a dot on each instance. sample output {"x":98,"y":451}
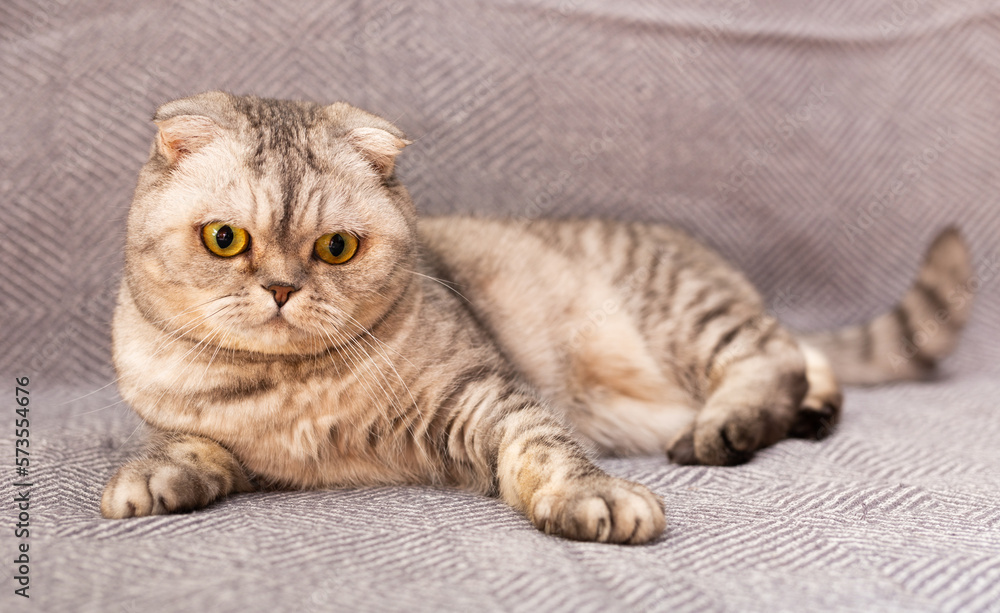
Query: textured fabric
{"x":820,"y":145}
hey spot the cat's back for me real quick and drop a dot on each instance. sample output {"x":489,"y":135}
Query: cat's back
{"x":597,"y":245}
{"x":559,"y":254}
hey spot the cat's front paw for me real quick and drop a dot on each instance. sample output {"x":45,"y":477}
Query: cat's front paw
{"x":602,"y":509}
{"x":146,"y":488}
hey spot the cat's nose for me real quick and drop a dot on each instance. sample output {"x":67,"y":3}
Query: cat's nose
{"x":281,"y":292}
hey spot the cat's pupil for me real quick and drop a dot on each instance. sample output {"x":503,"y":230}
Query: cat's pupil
{"x":337,"y":245}
{"x":224,"y":237}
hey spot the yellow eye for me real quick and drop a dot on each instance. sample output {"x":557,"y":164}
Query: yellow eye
{"x":225,"y":240}
{"x":336,"y":247}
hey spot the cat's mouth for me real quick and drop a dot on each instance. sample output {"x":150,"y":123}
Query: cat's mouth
{"x":279,"y":320}
{"x":277,"y":334}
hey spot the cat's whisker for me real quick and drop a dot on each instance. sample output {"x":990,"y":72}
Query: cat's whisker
{"x":416,"y":440}
{"x":383,"y":354}
{"x":129,"y":437}
{"x":442,"y":282}
{"x":363,"y":331}
{"x":355,"y":363}
{"x":218,"y":346}
{"x":204,"y":343}
{"x":105,"y":407}
{"x":368,"y":362}
{"x":143,"y":388}
{"x":334,"y":318}
{"x":180,"y":372}
{"x":194,"y":308}
{"x":194,"y":323}
{"x":362,"y":334}
{"x":179,"y":333}
{"x":398,"y":407}
{"x":153,"y":383}
{"x":91,"y":393}
{"x":359,"y":368}
{"x":362,"y":358}
{"x":118,"y":378}
{"x":176,"y":334}
{"x":177,"y":376}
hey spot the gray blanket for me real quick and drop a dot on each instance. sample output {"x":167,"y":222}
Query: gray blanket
{"x":819,"y":145}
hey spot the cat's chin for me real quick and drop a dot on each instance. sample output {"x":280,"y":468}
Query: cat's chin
{"x":276,"y":336}
{"x":277,"y":344}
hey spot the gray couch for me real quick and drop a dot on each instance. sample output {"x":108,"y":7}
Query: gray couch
{"x":820,"y":145}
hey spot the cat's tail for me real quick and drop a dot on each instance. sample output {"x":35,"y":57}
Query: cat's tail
{"x":924,"y":327}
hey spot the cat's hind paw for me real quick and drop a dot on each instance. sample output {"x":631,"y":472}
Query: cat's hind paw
{"x":815,"y":423}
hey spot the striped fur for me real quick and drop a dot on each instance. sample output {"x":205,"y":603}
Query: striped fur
{"x":489,"y":355}
{"x":908,"y":341}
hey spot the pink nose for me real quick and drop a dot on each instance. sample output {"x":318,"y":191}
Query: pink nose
{"x":281,"y":293}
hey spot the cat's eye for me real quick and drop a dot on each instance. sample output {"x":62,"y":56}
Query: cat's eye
{"x":225,"y":239}
{"x":336,"y":247}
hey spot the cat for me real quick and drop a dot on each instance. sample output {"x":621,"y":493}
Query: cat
{"x":286,"y":321}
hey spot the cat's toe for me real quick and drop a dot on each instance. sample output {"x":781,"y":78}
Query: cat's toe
{"x":815,"y":423}
{"x":727,"y":444}
{"x":739,"y":447}
{"x":176,"y":488}
{"x":607,"y":511}
{"x":127,"y":495}
{"x":681,"y":450}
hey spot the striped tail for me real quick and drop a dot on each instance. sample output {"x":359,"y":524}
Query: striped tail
{"x":907,"y":342}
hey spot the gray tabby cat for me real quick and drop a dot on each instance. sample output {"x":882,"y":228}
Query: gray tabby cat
{"x":285,"y":321}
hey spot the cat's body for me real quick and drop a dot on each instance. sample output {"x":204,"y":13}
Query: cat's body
{"x":483,"y":354}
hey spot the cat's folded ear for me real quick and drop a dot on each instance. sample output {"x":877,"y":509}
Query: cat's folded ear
{"x":188,"y":124}
{"x":184,"y":134}
{"x":380,"y":147}
{"x":376,"y":139}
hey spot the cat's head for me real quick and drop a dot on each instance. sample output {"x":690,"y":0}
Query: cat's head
{"x":268,"y":225}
